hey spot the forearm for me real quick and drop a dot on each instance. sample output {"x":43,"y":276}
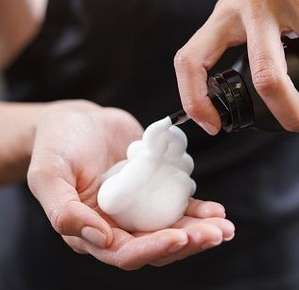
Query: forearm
{"x":20,"y":21}
{"x":17,"y":127}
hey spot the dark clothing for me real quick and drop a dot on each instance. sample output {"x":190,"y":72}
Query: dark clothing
{"x":120,"y":53}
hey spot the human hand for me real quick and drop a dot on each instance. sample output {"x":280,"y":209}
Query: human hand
{"x":203,"y":227}
{"x":233,"y":22}
{"x":75,"y":143}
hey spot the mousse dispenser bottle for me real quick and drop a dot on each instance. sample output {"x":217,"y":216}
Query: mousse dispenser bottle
{"x":236,"y":100}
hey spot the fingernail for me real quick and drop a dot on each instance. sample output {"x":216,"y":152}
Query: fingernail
{"x":178,"y":246}
{"x":94,"y":236}
{"x":211,"y":129}
{"x":230,"y":237}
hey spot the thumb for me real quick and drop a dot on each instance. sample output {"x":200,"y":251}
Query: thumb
{"x":67,"y":214}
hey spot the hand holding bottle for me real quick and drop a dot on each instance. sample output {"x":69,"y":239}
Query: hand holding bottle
{"x":259,"y":23}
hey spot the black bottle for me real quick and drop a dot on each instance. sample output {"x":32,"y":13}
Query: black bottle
{"x":236,"y":100}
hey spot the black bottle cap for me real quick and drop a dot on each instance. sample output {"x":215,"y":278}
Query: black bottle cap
{"x":231,"y":99}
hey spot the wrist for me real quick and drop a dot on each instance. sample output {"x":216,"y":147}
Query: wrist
{"x":18,"y":122}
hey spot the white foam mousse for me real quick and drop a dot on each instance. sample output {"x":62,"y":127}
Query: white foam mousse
{"x":150,"y":190}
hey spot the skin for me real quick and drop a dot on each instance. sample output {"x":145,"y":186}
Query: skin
{"x":71,"y":144}
{"x":20,"y":22}
{"x":64,"y":147}
{"x":233,"y":22}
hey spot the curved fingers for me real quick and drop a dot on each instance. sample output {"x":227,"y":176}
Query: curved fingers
{"x":202,"y":234}
{"x":130,"y":253}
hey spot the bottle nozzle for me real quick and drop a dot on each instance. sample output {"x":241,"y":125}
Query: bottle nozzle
{"x":179,"y":118}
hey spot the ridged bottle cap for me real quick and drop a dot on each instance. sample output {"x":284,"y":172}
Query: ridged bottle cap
{"x":229,"y":95}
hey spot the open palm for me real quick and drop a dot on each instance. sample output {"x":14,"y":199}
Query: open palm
{"x":75,"y":143}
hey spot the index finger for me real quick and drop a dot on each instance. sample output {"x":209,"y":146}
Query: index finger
{"x":269,"y":69}
{"x":192,"y":63}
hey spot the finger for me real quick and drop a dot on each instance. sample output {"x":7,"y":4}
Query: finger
{"x":137,"y":252}
{"x":192,"y":63}
{"x":110,"y":255}
{"x":77,"y":244}
{"x":65,"y":211}
{"x":269,"y":69}
{"x":225,"y":226}
{"x":201,"y":236}
{"x":205,"y":209}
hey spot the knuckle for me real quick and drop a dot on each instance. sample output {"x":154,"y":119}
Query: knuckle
{"x":265,"y":79}
{"x":183,"y":60}
{"x":217,"y":235}
{"x":77,"y":247}
{"x":192,"y":110}
{"x":35,"y":176}
{"x":160,"y":264}
{"x":78,"y":251}
{"x":76,"y":244}
{"x":32,"y":180}
{"x":61,"y":218}
{"x":56,"y":218}
{"x":126,"y":264}
{"x":212,"y":232}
